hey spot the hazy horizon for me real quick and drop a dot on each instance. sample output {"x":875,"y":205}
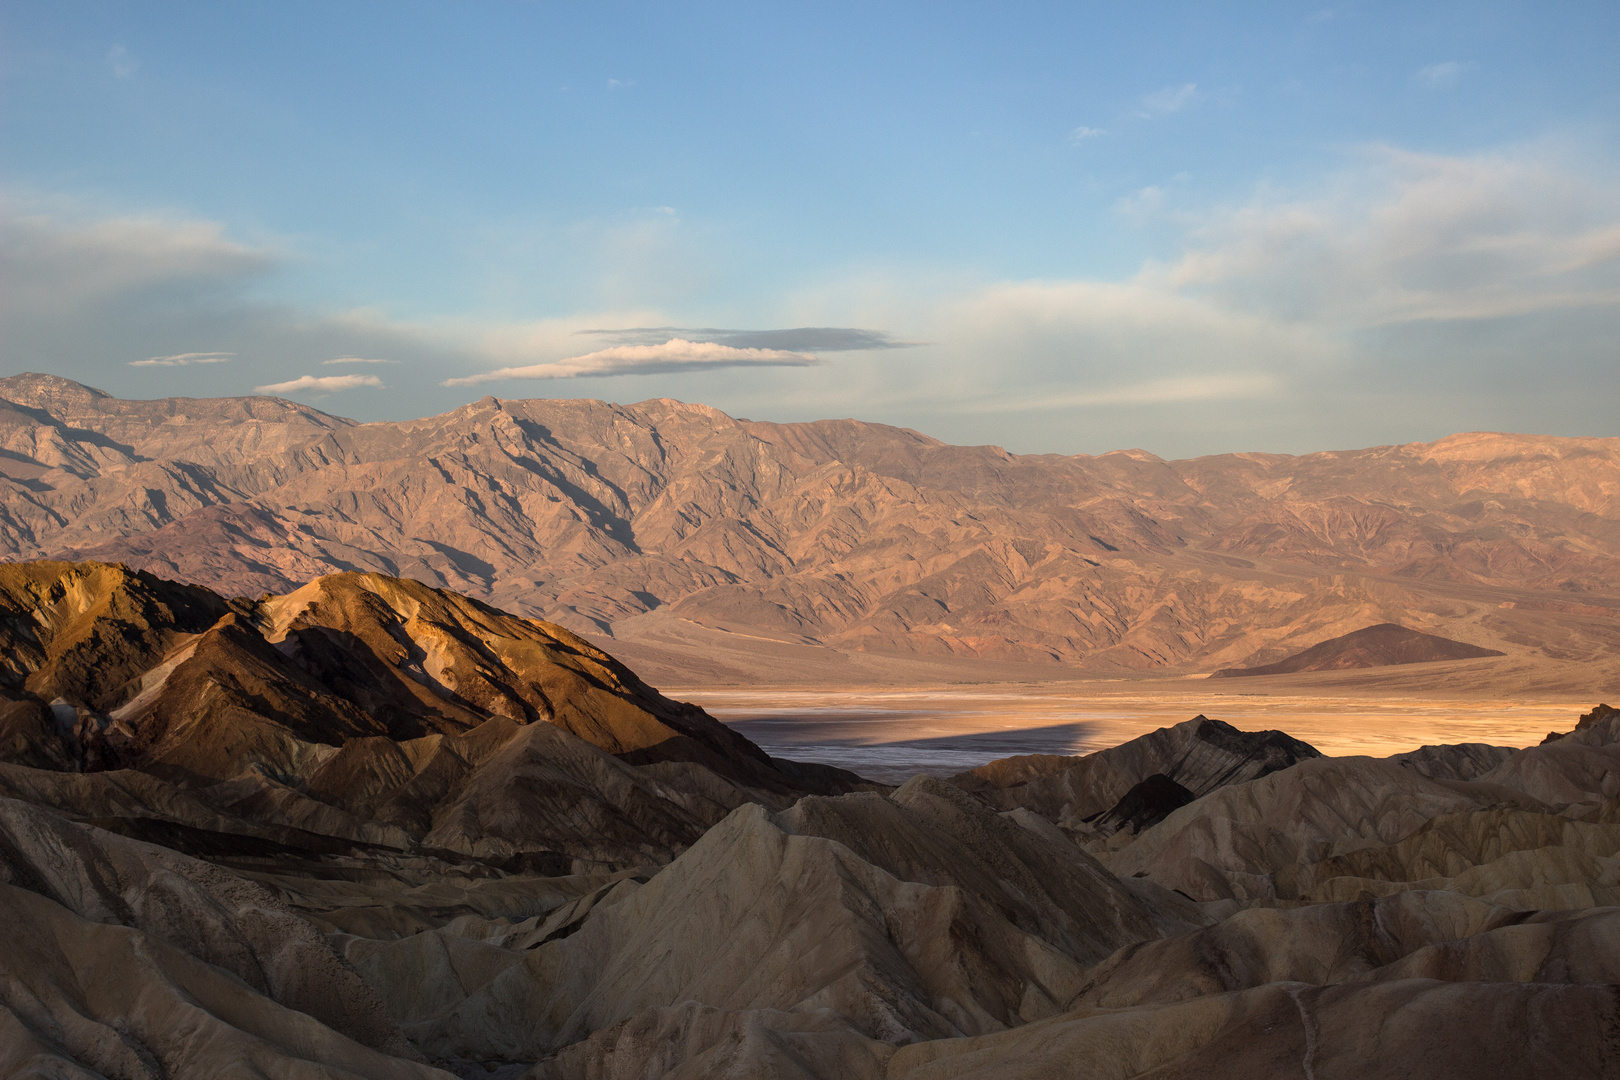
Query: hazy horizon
{"x":328,"y":408}
{"x":1191,"y":228}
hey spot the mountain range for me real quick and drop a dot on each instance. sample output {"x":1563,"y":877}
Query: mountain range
{"x":667,"y":528}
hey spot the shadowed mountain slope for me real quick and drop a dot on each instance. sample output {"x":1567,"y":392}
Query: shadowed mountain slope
{"x":660,"y":522}
{"x":1383,"y":645}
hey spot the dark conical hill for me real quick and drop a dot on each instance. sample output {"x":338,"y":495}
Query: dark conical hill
{"x":1383,"y":645}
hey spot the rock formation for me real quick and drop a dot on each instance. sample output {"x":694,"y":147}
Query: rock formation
{"x":1119,"y":784}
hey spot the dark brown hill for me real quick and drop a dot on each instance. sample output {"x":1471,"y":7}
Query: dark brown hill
{"x":676,"y":529}
{"x":1383,"y":645}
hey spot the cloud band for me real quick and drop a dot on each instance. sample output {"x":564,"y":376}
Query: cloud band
{"x":676,"y":354}
{"x":325,"y":384}
{"x":184,"y":359}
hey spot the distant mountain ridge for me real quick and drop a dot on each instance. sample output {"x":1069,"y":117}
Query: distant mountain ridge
{"x":674,"y":519}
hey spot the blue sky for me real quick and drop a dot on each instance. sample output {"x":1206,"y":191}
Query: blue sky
{"x":1063,"y":228}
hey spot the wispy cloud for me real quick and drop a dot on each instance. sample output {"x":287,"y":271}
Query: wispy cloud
{"x":1441,"y":76}
{"x":120,"y":63}
{"x":1141,"y":205}
{"x":1414,"y":238}
{"x":1169,"y":100}
{"x":620,"y":84}
{"x":323,"y":384}
{"x":185,"y":359}
{"x":801,"y":339}
{"x":56,"y":265}
{"x":1081,"y":134}
{"x":676,"y":354}
{"x":1176,"y":389}
{"x":1088,"y":344}
{"x":355,"y":360}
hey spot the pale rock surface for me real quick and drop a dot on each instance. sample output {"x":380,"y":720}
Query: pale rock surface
{"x":697,"y":1042}
{"x":1338,"y":828}
{"x":1581,"y":767}
{"x":1258,"y":840}
{"x":1520,"y":858}
{"x":1407,"y":1028}
{"x":80,"y":998}
{"x":199,"y":909}
{"x":942,"y":919}
{"x":1435,"y":935}
{"x":1454,"y":761}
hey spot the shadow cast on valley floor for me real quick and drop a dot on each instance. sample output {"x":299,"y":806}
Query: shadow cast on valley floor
{"x":893,"y":760}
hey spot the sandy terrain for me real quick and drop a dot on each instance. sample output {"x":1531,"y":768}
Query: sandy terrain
{"x":888,"y":734}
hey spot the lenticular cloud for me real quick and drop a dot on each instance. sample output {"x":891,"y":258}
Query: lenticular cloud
{"x":676,"y":354}
{"x":184,"y":359}
{"x":324,"y":384}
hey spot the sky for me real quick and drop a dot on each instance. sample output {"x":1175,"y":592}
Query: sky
{"x":1059,"y":228}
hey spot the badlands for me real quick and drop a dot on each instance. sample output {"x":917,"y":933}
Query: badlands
{"x":333,"y":750}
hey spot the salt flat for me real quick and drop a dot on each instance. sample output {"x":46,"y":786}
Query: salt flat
{"x":888,"y":734}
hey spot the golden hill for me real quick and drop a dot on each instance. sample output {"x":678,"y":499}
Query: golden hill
{"x":427,"y":717}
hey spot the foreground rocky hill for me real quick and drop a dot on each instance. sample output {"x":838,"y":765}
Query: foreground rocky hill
{"x":660,"y":522}
{"x":371,"y":709}
{"x":372,"y":829}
